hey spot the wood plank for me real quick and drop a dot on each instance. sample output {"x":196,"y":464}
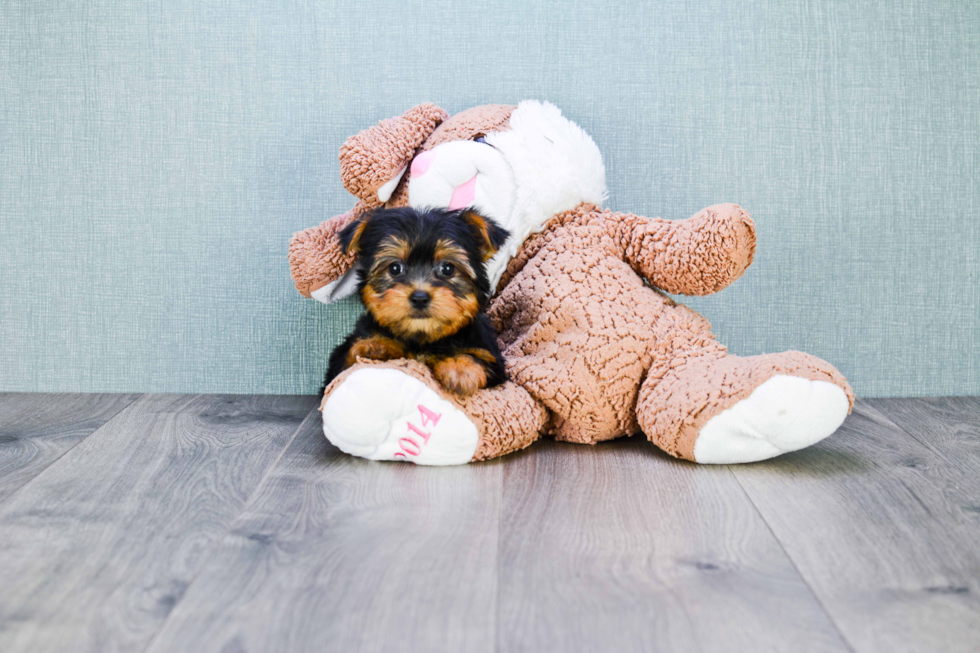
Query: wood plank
{"x":949,"y":426}
{"x":37,"y":429}
{"x":96,"y":551}
{"x":885,"y":532}
{"x":343,"y":554}
{"x":620,"y":548}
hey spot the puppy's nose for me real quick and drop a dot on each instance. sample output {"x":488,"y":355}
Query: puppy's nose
{"x":420,"y":299}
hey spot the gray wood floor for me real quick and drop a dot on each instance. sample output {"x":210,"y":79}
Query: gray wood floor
{"x":227,"y":523}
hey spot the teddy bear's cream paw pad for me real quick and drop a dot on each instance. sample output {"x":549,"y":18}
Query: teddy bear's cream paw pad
{"x":783,"y":414}
{"x":385,"y":414}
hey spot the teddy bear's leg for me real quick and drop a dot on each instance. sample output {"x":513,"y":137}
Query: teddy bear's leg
{"x":397,"y":411}
{"x":729,"y":409}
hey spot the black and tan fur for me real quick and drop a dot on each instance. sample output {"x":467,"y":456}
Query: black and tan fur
{"x":422,"y":278}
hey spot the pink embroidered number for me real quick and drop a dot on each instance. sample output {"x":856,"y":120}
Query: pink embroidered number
{"x":415,"y":429}
{"x":410,"y":446}
{"x":429,"y":416}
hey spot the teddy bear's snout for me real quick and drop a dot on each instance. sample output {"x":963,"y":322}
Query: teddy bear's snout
{"x":462,"y":174}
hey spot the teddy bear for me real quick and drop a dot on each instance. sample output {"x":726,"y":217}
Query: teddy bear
{"x":595,"y":347}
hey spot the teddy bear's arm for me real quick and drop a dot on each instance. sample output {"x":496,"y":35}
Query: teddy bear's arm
{"x":697,"y":256}
{"x":374,"y":160}
{"x":316,"y":257}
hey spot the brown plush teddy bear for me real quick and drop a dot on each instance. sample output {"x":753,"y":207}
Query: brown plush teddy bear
{"x":595,"y":349}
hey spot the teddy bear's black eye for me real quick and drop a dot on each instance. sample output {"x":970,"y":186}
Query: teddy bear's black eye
{"x":395,"y":269}
{"x":447,"y":270}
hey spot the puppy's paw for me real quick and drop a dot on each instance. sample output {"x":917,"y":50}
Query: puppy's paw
{"x":461,"y":374}
{"x":376,"y":348}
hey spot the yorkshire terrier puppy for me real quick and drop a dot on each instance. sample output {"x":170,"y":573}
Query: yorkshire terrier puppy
{"x":423,"y":280}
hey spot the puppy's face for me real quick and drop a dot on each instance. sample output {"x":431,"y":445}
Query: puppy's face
{"x":420,"y":289}
{"x":422,"y":274}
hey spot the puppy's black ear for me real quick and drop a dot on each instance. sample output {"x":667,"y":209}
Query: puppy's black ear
{"x":491,"y":235}
{"x":351,"y":234}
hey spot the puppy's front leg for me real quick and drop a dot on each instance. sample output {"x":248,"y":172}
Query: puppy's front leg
{"x":372,"y":347}
{"x":376,"y":348}
{"x":461,"y":374}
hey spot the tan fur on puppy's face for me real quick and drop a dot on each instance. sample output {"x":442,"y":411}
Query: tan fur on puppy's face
{"x":448,"y":251}
{"x":446,"y":314}
{"x":394,"y":248}
{"x":454,"y":301}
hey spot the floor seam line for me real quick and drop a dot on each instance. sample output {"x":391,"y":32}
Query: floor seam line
{"x":231,"y":523}
{"x":782,"y":547}
{"x":258,"y":486}
{"x":71,"y":448}
{"x":904,"y":430}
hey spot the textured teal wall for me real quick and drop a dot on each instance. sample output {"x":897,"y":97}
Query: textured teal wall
{"x":156,"y":157}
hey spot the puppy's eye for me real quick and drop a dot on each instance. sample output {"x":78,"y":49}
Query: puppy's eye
{"x":447,"y":270}
{"x":395,"y":269}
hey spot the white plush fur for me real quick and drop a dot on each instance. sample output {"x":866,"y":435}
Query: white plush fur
{"x":386,"y":189}
{"x":543,"y":165}
{"x":369,"y":416}
{"x":455,"y":163}
{"x":337,"y":289}
{"x":783,"y":414}
{"x":556,"y":166}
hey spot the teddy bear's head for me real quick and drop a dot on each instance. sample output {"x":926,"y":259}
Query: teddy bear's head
{"x":518,"y":165}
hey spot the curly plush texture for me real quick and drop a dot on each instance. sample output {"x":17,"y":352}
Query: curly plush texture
{"x":376,"y":155}
{"x":581,"y":331}
{"x":595,"y":348}
{"x":506,"y":417}
{"x":463,"y":126}
{"x":316,"y":257}
{"x":370,"y":159}
{"x":676,"y":402}
{"x":467,"y":125}
{"x":698,"y":256}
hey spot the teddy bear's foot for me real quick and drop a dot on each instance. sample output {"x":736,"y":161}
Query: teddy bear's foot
{"x":726,"y":409}
{"x":382,"y":413}
{"x":396,"y":410}
{"x":783,"y":414}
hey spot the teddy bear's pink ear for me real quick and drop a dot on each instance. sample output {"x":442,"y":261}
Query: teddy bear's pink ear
{"x":373,"y":161}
